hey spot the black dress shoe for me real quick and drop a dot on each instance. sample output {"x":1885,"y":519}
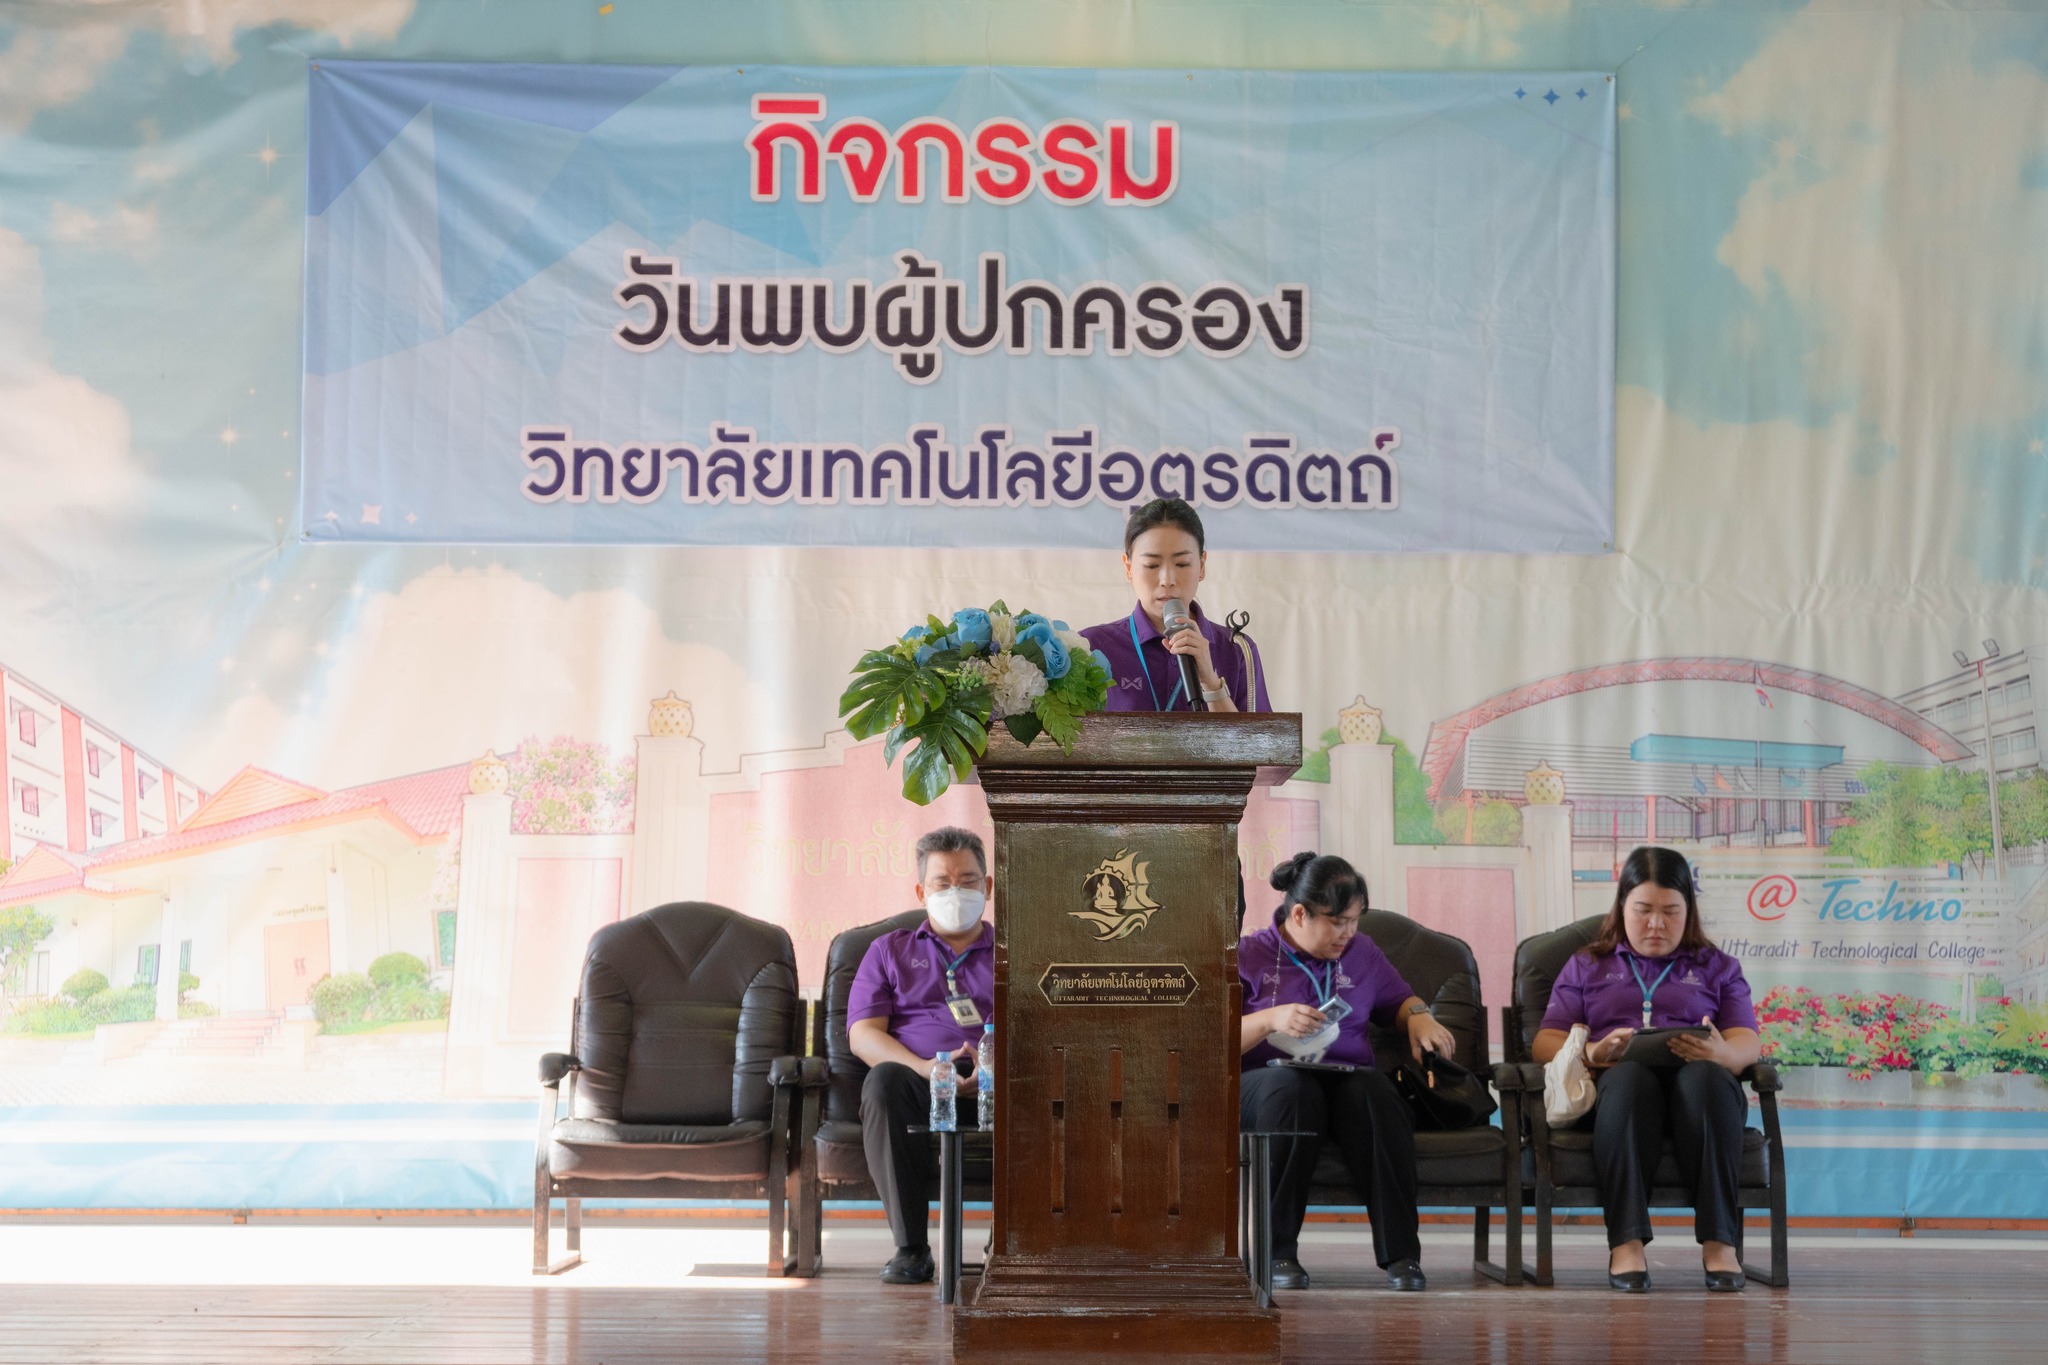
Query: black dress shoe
{"x":1288,"y":1274}
{"x":1407,"y":1276}
{"x":1725,"y":1281}
{"x":1629,"y":1281}
{"x":910,"y":1265}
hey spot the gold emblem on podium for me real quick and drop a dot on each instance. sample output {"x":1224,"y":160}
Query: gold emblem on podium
{"x":1118,"y":901}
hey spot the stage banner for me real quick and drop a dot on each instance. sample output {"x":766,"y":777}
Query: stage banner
{"x":958,"y":307}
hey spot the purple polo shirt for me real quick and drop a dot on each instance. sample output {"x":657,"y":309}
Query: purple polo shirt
{"x":1602,"y":994}
{"x":903,"y":980}
{"x":1362,"y":977}
{"x":1146,"y":677}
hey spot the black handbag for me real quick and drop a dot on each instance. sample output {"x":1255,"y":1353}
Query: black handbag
{"x":1444,"y":1095}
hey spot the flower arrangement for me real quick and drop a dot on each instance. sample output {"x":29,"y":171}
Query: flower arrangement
{"x":1873,"y":1032}
{"x":938,"y":688}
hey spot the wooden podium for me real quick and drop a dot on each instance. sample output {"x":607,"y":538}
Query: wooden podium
{"x":1116,"y":1004}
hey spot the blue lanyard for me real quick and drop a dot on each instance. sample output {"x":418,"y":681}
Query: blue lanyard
{"x":1650,"y":989}
{"x":1321,"y":984}
{"x":1146,"y":669}
{"x":954,"y":966}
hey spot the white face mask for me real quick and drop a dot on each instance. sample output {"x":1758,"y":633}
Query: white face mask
{"x":955,"y":910}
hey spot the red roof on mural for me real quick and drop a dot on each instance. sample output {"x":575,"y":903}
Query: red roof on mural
{"x":253,"y":803}
{"x":1447,"y":737}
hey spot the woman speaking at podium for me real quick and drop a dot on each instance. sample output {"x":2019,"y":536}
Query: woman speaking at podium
{"x":1165,"y":560}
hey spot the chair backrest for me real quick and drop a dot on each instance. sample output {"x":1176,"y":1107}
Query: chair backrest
{"x":683,"y":1009}
{"x":1439,"y":968}
{"x":1538,"y":960}
{"x":842,"y":961}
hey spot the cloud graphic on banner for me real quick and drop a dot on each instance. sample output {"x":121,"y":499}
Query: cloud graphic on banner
{"x":457,"y":661}
{"x":57,"y":58}
{"x":1896,"y":143}
{"x":1491,"y":30}
{"x":64,"y":445}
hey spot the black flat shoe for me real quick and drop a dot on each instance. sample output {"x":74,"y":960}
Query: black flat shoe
{"x":1629,"y":1281}
{"x":1288,"y":1274}
{"x":1407,"y":1276}
{"x":1725,"y":1281}
{"x":910,"y":1265}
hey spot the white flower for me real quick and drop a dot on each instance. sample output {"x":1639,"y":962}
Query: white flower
{"x":1002,"y":629}
{"x":1075,"y":641}
{"x":1013,"y":681}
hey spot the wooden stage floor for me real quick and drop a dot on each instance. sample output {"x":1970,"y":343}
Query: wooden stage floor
{"x":392,"y":1295}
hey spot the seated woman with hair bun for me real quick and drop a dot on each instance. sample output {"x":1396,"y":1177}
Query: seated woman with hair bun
{"x":1311,"y":982}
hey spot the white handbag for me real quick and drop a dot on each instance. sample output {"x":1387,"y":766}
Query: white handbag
{"x":1568,"y":1092}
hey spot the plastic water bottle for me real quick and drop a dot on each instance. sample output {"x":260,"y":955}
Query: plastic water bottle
{"x":985,"y":1076}
{"x":945,"y":1085}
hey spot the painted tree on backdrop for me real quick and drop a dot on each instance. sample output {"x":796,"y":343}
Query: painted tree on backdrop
{"x":22,"y":927}
{"x":570,"y":786}
{"x":1414,"y":820}
{"x":1922,"y":817}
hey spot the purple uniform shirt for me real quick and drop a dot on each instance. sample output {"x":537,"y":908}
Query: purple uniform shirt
{"x":1145,"y":675}
{"x":1602,"y":993}
{"x":1362,"y":977}
{"x":903,"y":980}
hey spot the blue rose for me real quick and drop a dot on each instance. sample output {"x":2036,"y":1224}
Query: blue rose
{"x":1057,"y":661}
{"x":1032,"y":626}
{"x":1102,"y":662}
{"x":934,"y":643}
{"x":971,"y":624}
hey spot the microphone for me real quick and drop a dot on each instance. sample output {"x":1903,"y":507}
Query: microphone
{"x":1176,"y":617}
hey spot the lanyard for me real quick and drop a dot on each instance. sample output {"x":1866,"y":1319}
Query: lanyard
{"x":1321,"y":984}
{"x":1650,"y":989}
{"x":1146,"y":669}
{"x":954,"y":966}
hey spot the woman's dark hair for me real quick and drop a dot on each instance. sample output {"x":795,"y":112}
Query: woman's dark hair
{"x":1164,"y":512}
{"x":1322,"y":885}
{"x":1653,"y":866}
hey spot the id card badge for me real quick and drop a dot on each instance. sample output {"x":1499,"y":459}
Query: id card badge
{"x":965,"y":1013}
{"x":1335,"y":1008}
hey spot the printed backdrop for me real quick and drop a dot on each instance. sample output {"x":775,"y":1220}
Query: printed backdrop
{"x":782,"y":305}
{"x":305,"y":833}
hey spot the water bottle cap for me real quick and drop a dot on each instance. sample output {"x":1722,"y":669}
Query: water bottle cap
{"x":988,"y":1028}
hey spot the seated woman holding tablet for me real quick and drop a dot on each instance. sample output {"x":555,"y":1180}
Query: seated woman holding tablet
{"x":1311,"y":981}
{"x":1669,"y":1027}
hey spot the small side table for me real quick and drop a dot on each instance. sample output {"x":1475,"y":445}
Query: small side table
{"x":1255,"y":1207}
{"x":953,"y":1147}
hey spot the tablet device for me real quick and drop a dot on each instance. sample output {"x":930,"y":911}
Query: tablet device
{"x":1652,"y":1046}
{"x":1341,"y":1068}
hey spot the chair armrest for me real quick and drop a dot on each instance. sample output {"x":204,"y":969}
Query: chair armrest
{"x":1763,"y":1077}
{"x":555,"y":1065}
{"x":1507,"y":1076}
{"x":1532,"y":1077}
{"x":807,"y":1073}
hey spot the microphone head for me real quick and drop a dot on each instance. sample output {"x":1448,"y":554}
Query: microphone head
{"x":1175,"y":614}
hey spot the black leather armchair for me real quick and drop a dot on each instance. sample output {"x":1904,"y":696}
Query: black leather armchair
{"x":1564,"y":1156}
{"x":839,"y":1165}
{"x":1481,"y":1168}
{"x":684,"y":1078}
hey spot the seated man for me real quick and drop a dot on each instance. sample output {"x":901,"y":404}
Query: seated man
{"x":919,"y":993}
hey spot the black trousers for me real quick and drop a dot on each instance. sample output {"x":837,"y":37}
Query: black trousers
{"x":1701,"y":1108}
{"x":899,"y":1162}
{"x":1374,"y":1130}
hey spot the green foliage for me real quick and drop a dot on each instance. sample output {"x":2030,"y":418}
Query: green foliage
{"x":1315,"y":764}
{"x":1923,"y":817}
{"x":47,"y":1016}
{"x":397,"y":969}
{"x":1869,"y":1033}
{"x":1495,"y":823}
{"x":1414,"y":821}
{"x":196,"y":1009}
{"x":22,"y":927}
{"x":929,"y":695}
{"x":82,"y":983}
{"x":121,"y":1005}
{"x":352,"y":1001}
{"x":341,"y":999}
